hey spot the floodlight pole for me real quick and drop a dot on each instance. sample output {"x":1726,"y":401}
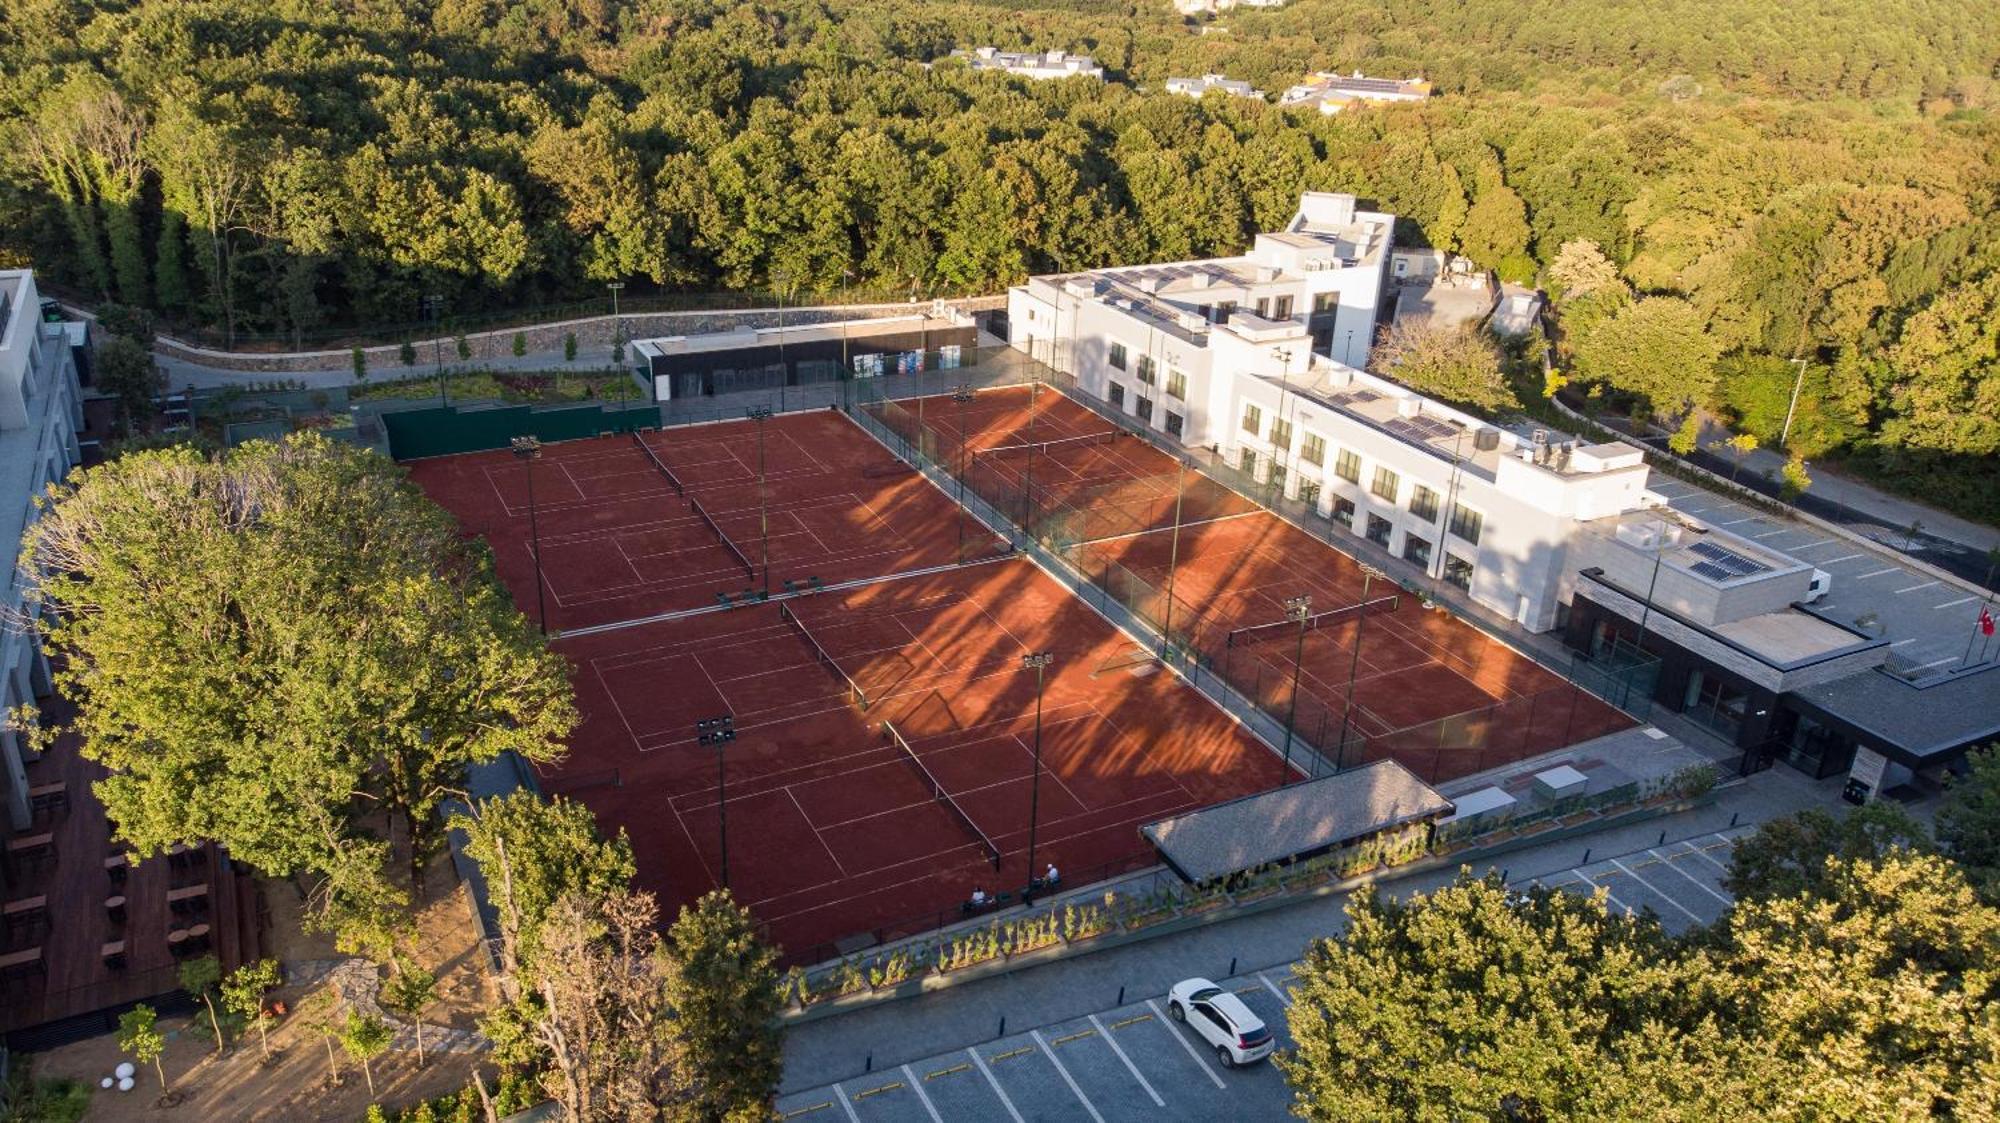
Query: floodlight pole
{"x":1298,"y":608}
{"x":1038,"y":662}
{"x":778,"y":282}
{"x":1174,"y":551}
{"x":618,"y":346}
{"x":529,"y":450}
{"x":962,"y":396}
{"x":761,"y":414}
{"x":1368,"y":575}
{"x":719,"y":731}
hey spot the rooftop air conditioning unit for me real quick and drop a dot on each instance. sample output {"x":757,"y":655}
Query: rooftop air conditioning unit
{"x":1485,"y":439}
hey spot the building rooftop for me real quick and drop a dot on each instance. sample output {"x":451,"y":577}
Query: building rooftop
{"x":1925,"y":719}
{"x":1195,"y":87}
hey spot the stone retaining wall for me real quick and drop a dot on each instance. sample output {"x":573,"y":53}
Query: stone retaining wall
{"x":591,"y":332}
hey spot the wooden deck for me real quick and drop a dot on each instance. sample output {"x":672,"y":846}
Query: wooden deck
{"x":74,"y":930}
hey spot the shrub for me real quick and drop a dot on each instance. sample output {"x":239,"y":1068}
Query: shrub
{"x":464,"y":348}
{"x":569,"y":347}
{"x":520,"y":344}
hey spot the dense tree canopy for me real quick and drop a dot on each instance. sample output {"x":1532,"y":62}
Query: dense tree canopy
{"x":1813,"y":181}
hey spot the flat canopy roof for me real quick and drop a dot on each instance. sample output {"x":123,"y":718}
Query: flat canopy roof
{"x":1302,"y":819}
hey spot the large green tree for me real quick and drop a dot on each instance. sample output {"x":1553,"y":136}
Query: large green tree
{"x":1459,"y":363}
{"x":533,"y":851}
{"x":1655,"y":348}
{"x":288,"y":650}
{"x":725,"y":997}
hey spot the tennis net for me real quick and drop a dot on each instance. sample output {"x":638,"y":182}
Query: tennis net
{"x":942,"y":796}
{"x":658,"y":463}
{"x":854,"y":692}
{"x":1258,"y":633}
{"x":1061,"y":444}
{"x":749,"y":567}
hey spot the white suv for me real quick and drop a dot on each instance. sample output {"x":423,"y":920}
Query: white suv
{"x":1220,"y":1018}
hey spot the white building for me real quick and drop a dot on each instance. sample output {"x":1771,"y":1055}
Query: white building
{"x":1212,"y":7}
{"x":1331,"y":93}
{"x":41,"y":411}
{"x":1232,"y":355}
{"x":1195,"y":87}
{"x":1037,"y":65}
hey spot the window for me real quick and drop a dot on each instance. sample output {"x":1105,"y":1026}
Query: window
{"x":1281,"y":433}
{"x":1281,"y":308}
{"x":1417,"y":549}
{"x":1314,"y":450}
{"x":1118,"y":355}
{"x":1325,"y":301}
{"x":1253,"y":419}
{"x":1277,"y":480}
{"x":1247,"y":460}
{"x":1309,"y":492}
{"x":1378,"y":530}
{"x":1348,"y":467}
{"x":1176,"y":385}
{"x":1146,"y":367}
{"x":1424,"y":503}
{"x":1174,"y":424}
{"x":1118,"y":395}
{"x":1715,"y":703}
{"x":1343,"y":512}
{"x":1264,"y":307}
{"x":1386,"y":484}
{"x":1457,"y":571}
{"x":1144,"y":408}
{"x":1223,"y":311}
{"x":1466,"y":524}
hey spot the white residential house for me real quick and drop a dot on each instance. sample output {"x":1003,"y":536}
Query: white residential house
{"x":1214,"y":7}
{"x":1195,"y":87}
{"x":41,"y":411}
{"x":1037,"y":64}
{"x":1331,"y":93}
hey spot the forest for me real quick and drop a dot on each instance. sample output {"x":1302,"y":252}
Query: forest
{"x":1719,"y":193}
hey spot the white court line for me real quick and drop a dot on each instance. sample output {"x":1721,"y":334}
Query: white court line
{"x":1129,"y":1066}
{"x":1955,"y":603}
{"x":1274,"y":989}
{"x":918,"y":1088}
{"x":1608,"y":894}
{"x":1704,"y":855}
{"x":840,"y":1093}
{"x":988,"y":1074}
{"x":1067,"y":1078}
{"x":1658,"y":892}
{"x":1703,"y":885}
{"x":1914,"y":588}
{"x":1167,"y":1024}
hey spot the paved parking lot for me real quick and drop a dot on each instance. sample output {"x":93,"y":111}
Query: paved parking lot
{"x":1927,"y":620}
{"x":1131,"y":1062}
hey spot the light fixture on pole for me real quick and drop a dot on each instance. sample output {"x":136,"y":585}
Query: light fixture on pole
{"x":1298,"y":608}
{"x":529,"y":450}
{"x":780,"y":279}
{"x":1368,"y":575}
{"x":719,"y":731}
{"x":963,"y":396}
{"x":761,"y":414}
{"x":1037,"y":662}
{"x":1174,"y":552}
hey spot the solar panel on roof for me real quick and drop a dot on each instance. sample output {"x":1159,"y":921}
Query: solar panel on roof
{"x":1711,"y":571}
{"x":1729,"y":559}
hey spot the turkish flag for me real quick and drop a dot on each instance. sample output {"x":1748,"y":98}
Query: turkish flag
{"x":1985,"y":621}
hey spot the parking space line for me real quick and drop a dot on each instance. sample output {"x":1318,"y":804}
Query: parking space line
{"x":1914,"y":588}
{"x":1842,"y":558}
{"x":840,"y":1097}
{"x":1772,"y":533}
{"x":1901,"y":642}
{"x":1282,"y":996}
{"x":918,"y":1087}
{"x":1129,"y":1066}
{"x":1813,"y":545}
{"x":1176,"y":1035}
{"x":1608,"y":894}
{"x":1704,"y":886}
{"x":1658,"y":892}
{"x":997,"y":1090}
{"x":1733,"y":522}
{"x":1067,"y":1078}
{"x":1955,"y":603}
{"x":1702,"y":853}
{"x":1878,"y":573}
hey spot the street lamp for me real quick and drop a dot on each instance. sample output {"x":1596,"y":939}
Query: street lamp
{"x":719,"y":731}
{"x":617,"y":324}
{"x":761,"y":414}
{"x":1298,"y":608}
{"x":1038,"y":662}
{"x":1368,"y":575}
{"x":529,"y":450}
{"x":962,"y":396}
{"x":434,"y":306}
{"x":1174,"y":550}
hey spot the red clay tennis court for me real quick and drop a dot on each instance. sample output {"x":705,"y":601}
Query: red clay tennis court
{"x":636,"y":525}
{"x":1428,"y":690}
{"x":836,"y":826}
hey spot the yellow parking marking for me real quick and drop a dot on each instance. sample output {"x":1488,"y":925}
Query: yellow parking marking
{"x":859,"y":1096}
{"x":794,"y":1114}
{"x":1253,"y":988}
{"x":1021,"y":1052}
{"x":1074,"y":1036}
{"x":1132,"y":1021}
{"x":960,"y":1067}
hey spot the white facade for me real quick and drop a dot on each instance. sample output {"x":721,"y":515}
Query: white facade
{"x":1037,"y":65}
{"x":1211,"y":7}
{"x":1331,"y":93}
{"x":41,"y":411}
{"x":1195,"y":87}
{"x":1492,"y":510}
